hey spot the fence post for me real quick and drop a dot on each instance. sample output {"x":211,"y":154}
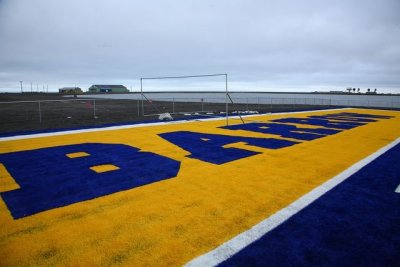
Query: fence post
{"x":138,"y":108}
{"x":40,"y":112}
{"x":173,"y":105}
{"x":94,"y":109}
{"x":270,"y":106}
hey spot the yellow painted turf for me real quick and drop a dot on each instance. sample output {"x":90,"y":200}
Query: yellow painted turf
{"x":170,"y":222}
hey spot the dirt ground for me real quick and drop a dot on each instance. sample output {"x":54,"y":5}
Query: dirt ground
{"x":43,"y":111}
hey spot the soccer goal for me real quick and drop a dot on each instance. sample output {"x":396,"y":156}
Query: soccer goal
{"x":191,"y":96}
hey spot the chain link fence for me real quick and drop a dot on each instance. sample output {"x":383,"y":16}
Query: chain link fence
{"x":73,"y":113}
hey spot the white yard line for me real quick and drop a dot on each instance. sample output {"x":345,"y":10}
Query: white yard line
{"x":397,"y":189}
{"x":111,"y":128}
{"x":233,"y":246}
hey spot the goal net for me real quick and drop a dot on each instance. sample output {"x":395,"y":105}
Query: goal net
{"x":191,"y":97}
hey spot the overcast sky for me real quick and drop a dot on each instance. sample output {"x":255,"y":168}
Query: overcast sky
{"x":261,"y":44}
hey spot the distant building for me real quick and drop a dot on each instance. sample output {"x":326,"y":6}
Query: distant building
{"x":99,"y":88}
{"x":70,"y":90}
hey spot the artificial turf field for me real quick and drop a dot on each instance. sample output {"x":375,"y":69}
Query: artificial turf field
{"x":165,"y":194}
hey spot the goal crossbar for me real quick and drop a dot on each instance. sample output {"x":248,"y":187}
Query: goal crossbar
{"x":183,"y":77}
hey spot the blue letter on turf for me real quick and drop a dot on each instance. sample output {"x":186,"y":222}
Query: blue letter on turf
{"x":209,"y":147}
{"x":60,"y":176}
{"x":284,"y":130}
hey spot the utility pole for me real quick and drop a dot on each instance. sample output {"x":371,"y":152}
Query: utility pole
{"x":21,"y":87}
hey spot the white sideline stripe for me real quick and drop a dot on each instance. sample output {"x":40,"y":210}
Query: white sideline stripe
{"x":233,"y":246}
{"x":397,"y":189}
{"x":111,"y":128}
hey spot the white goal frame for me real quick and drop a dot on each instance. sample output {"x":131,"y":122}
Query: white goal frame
{"x":227,"y":97}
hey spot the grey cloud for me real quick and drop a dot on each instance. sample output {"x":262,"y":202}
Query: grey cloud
{"x":276,"y":43}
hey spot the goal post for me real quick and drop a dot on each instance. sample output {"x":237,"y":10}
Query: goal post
{"x":148,"y":102}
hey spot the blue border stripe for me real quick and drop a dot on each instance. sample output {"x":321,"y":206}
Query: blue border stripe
{"x":93,"y":126}
{"x":357,"y":223}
